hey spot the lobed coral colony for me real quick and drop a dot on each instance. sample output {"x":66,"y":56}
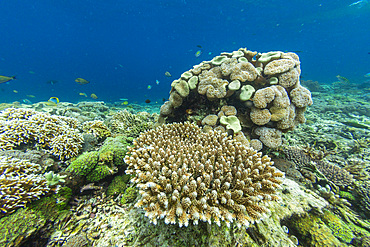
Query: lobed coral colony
{"x":57,"y":134}
{"x":184,"y":174}
{"x":256,"y":96}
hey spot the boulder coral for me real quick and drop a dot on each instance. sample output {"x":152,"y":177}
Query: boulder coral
{"x":263,"y":88}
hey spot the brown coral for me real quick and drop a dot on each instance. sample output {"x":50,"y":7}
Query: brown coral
{"x":185,"y":175}
{"x":269,"y":136}
{"x":301,"y":97}
{"x":279,"y":66}
{"x":260,"y":116}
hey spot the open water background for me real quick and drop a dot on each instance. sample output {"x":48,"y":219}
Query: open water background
{"x":122,"y":46}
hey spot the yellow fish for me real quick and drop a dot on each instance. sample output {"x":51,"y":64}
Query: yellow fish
{"x":198,"y":53}
{"x":15,"y":91}
{"x":125,"y":103}
{"x":149,"y":87}
{"x":83,"y":94}
{"x":168,"y":74}
{"x":6,"y":78}
{"x":54,"y":100}
{"x":93,"y":96}
{"x":81,"y":81}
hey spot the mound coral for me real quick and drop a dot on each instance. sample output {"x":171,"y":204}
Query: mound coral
{"x":57,"y":134}
{"x":20,"y":183}
{"x":96,"y":165}
{"x":264,"y":90}
{"x":186,"y":175}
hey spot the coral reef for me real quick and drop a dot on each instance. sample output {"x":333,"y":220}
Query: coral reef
{"x":336,"y":175}
{"x":96,"y":128}
{"x":131,"y":125}
{"x":186,"y":175}
{"x":20,"y":183}
{"x":264,"y":90}
{"x":57,"y":134}
{"x":96,"y":165}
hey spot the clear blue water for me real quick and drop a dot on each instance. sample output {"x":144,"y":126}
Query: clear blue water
{"x":124,"y":46}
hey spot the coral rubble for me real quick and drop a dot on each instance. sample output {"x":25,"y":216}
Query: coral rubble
{"x":186,"y":175}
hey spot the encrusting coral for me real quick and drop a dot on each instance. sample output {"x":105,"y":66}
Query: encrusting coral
{"x":20,"y":183}
{"x":57,"y":134}
{"x":263,"y":88}
{"x":184,"y":174}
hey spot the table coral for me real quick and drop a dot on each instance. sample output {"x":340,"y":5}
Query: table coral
{"x":20,"y":183}
{"x":57,"y":134}
{"x":186,"y":175}
{"x":263,"y":88}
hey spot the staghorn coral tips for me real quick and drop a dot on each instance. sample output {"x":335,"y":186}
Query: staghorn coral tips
{"x":185,"y":176}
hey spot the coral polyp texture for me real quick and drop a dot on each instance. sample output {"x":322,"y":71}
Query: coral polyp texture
{"x":57,"y":134}
{"x":184,"y":175}
{"x":263,"y":88}
{"x":19,"y":183}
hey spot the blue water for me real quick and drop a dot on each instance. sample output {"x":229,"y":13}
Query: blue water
{"x":124,"y":46}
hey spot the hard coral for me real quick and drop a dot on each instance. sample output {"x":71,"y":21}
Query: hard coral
{"x":57,"y":134}
{"x":19,"y":183}
{"x":244,"y":80}
{"x":186,"y":175}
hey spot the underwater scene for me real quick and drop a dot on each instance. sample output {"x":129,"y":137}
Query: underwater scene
{"x":184,"y":123}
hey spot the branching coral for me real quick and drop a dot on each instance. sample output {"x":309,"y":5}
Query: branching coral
{"x":57,"y":134}
{"x":130,"y":124}
{"x":186,"y":175}
{"x":19,"y":183}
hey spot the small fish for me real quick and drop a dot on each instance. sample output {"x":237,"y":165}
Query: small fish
{"x":359,"y":4}
{"x":147,"y":101}
{"x":198,"y":53}
{"x":125,"y":103}
{"x":30,"y":96}
{"x":81,"y":81}
{"x":6,"y":78}
{"x":367,"y":75}
{"x":51,"y":82}
{"x":157,"y":82}
{"x":123,"y":99}
{"x":199,"y":46}
{"x":54,"y":100}
{"x":83,"y":94}
{"x":93,"y":96}
{"x":120,"y":65}
{"x":15,"y":91}
{"x":26,"y":101}
{"x":32,"y":72}
{"x":149,"y":87}
{"x":168,"y":74}
{"x":342,"y":79}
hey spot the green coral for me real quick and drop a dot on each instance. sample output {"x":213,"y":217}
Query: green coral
{"x":17,"y":227}
{"x":339,"y":229}
{"x":96,"y":165}
{"x":129,"y":195}
{"x":54,"y":179}
{"x":118,"y":185}
{"x":84,"y":164}
{"x":99,"y":172}
{"x":313,"y":231}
